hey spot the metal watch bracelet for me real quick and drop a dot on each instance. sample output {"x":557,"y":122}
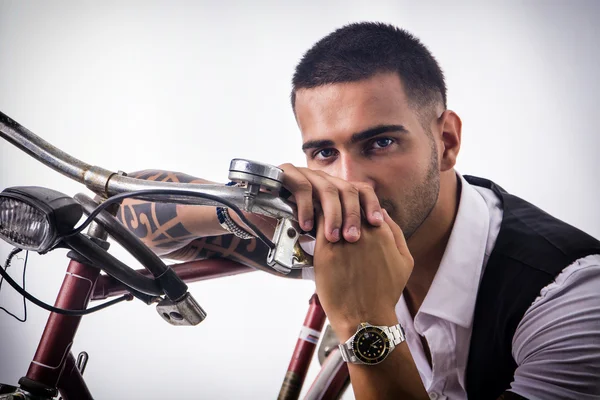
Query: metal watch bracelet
{"x":394,"y":333}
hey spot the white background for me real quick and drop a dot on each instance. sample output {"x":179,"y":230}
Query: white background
{"x":187,"y":86}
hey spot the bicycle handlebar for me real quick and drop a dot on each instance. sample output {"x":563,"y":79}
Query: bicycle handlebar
{"x":107,"y":183}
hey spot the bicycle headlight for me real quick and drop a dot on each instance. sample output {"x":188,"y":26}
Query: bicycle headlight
{"x":32,"y":217}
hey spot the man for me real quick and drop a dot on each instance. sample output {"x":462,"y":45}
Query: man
{"x":489,"y":296}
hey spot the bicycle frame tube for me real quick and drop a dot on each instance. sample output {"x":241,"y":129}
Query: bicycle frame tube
{"x":55,"y":344}
{"x":305,"y":348}
{"x":193,"y":271}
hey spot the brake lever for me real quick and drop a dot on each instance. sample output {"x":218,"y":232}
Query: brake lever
{"x":287,"y":253}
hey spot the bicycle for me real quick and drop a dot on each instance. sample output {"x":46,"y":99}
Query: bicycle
{"x":54,"y":369}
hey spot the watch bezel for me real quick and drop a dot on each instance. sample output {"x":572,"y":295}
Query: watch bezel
{"x":383,"y":353}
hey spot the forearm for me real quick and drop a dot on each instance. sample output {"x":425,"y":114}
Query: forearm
{"x":166,"y":227}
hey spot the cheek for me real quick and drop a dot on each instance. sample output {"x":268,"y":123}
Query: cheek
{"x":395,"y":179}
{"x":399,"y":169}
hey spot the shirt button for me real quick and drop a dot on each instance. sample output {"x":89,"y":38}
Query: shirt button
{"x":433,"y":395}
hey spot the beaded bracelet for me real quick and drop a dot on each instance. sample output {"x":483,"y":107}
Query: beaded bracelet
{"x":229,"y":224}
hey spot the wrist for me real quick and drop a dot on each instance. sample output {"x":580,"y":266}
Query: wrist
{"x":200,"y":221}
{"x":230,"y":222}
{"x":347,"y":327}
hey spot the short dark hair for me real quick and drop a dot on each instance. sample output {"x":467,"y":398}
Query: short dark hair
{"x":360,"y":50}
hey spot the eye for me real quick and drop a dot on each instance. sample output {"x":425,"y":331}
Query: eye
{"x":381,"y":143}
{"x":324,"y":154}
{"x":378,"y":145}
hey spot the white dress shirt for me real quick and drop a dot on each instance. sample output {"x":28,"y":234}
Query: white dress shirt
{"x":557,"y":343}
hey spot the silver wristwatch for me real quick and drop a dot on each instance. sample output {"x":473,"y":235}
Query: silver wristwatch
{"x":371,"y":344}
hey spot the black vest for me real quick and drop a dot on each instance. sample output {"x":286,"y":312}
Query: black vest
{"x":532,"y":248}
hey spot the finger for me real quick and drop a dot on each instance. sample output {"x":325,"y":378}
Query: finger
{"x":350,"y":203}
{"x":320,"y":226}
{"x":370,"y":204}
{"x":327,"y":193}
{"x":322,"y":245}
{"x":351,"y":212}
{"x":302,"y":190}
{"x":398,"y":234}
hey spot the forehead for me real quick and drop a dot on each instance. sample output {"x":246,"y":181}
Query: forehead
{"x":337,"y":110}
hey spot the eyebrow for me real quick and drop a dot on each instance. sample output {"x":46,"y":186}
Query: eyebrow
{"x":357,"y":137}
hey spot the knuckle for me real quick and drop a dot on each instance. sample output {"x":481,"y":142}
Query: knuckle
{"x":365,"y":188}
{"x":353,"y":213}
{"x":359,"y":184}
{"x":352,"y":190}
{"x":331,"y":189}
{"x":321,"y":174}
{"x":370,"y":195}
{"x":303,"y":186}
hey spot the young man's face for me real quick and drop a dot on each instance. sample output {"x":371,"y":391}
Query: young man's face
{"x":365,"y":131}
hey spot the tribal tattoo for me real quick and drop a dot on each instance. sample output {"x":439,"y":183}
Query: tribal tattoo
{"x":157,"y":223}
{"x":250,"y":252}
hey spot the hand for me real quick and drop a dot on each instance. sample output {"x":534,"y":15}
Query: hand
{"x":362,"y":281}
{"x":341,"y":202}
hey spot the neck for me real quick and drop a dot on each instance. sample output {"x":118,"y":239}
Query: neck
{"x":428,"y":244}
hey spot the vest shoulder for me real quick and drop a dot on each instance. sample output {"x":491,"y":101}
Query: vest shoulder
{"x":533,"y":237}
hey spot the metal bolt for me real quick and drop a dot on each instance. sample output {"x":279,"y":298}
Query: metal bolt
{"x":291,"y":232}
{"x":176,"y":316}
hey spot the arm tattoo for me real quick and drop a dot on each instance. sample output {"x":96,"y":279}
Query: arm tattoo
{"x":251,"y":253}
{"x":157,"y":223}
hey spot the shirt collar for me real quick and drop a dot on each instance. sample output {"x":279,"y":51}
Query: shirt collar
{"x":453,"y":292}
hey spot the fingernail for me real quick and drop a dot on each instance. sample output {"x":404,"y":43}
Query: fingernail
{"x":335,"y":234}
{"x":353,"y":232}
{"x":308,"y":225}
{"x":377,"y":215}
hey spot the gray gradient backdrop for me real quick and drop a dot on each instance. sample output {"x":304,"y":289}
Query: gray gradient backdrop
{"x":187,"y":86}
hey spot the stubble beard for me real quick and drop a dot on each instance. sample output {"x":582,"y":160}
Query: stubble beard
{"x":419,"y":203}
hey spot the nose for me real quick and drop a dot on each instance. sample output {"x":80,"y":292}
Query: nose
{"x":352,"y":170}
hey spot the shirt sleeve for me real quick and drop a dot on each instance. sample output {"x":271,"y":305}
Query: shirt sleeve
{"x":557,"y":343}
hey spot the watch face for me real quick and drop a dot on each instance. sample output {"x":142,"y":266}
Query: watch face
{"x":371,"y":345}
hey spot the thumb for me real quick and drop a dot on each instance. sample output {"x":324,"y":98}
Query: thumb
{"x":398,"y":234}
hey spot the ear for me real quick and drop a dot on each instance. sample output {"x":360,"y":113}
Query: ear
{"x":449,"y":125}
